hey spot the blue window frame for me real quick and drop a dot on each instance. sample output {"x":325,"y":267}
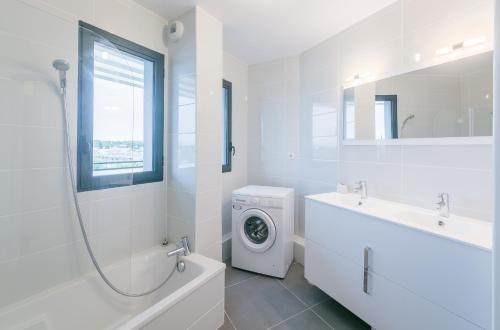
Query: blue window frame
{"x":386,"y":117}
{"x":228,"y":149}
{"x":120,"y":111}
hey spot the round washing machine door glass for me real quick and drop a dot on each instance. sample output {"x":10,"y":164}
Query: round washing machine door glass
{"x":257,"y":230}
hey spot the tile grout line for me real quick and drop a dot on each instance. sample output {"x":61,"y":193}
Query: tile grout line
{"x":242,"y":281}
{"x":322,"y":319}
{"x":230,"y":321}
{"x":298,"y":313}
{"x":288,"y":318}
{"x":307,"y":308}
{"x":301,"y":301}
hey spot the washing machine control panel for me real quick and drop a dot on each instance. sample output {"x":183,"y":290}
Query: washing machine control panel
{"x":245,"y":200}
{"x":256,"y":201}
{"x":271,"y":202}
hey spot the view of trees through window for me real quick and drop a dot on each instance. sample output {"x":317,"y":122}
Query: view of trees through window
{"x":119,"y":90}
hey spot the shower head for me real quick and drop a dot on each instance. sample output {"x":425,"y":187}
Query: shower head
{"x":62,"y":66}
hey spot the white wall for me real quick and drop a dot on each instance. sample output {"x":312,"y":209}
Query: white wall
{"x":209,"y":71}
{"x":181,"y":174}
{"x":273,"y":128}
{"x":235,"y":71}
{"x":194,"y":176}
{"x":384,"y":44}
{"x":496,"y":171}
{"x":40,"y":245}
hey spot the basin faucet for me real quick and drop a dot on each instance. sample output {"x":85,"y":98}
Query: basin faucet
{"x":443,"y":205}
{"x":182,"y":248}
{"x":360,"y":187}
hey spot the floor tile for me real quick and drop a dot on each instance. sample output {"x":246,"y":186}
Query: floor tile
{"x":297,"y":284}
{"x":305,"y":320}
{"x":260,"y":303}
{"x":235,"y":275}
{"x":227,"y":324}
{"x":339,"y":317}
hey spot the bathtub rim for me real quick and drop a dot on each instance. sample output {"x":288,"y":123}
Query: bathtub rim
{"x":211,"y":269}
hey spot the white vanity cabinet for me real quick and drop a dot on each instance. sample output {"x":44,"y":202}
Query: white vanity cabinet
{"x":394,"y":276}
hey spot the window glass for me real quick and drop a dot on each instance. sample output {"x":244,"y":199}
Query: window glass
{"x":122,"y":137}
{"x":227,"y":147}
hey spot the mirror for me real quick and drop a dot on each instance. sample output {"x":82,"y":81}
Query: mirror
{"x":454,"y":99}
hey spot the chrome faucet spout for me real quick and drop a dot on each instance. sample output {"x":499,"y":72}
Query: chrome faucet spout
{"x":361,"y":188}
{"x":443,"y":205}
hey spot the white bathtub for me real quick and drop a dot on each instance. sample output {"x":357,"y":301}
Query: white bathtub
{"x":193,"y":299}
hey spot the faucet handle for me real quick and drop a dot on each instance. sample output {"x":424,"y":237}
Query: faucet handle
{"x":185,"y":244}
{"x":443,"y":196}
{"x":359,"y":184}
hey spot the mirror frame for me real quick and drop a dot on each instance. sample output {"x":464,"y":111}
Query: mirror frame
{"x":459,"y":140}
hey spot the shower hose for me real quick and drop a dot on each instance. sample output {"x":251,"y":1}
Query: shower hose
{"x":79,"y":213}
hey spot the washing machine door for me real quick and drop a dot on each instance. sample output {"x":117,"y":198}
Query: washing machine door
{"x":257,"y":230}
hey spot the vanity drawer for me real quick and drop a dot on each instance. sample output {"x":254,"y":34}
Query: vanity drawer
{"x":447,"y":273}
{"x":387,"y":307}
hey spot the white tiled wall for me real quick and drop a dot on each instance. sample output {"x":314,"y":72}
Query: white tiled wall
{"x":209,"y":71}
{"x":181,"y":191}
{"x":195,"y":178}
{"x":384,"y":44}
{"x":273,"y":128}
{"x":40,"y":245}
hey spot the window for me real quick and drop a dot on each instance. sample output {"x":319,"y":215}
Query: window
{"x":227,"y":146}
{"x":349,"y":114}
{"x":386,"y":120}
{"x":120,"y":112}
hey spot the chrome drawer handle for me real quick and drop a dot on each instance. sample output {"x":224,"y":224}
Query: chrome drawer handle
{"x":366,"y":269}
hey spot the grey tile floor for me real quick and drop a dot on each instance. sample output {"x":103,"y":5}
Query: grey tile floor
{"x":258,"y":302}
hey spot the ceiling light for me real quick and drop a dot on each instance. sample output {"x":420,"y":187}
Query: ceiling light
{"x":461,"y":45}
{"x":444,"y":51}
{"x":358,"y":76}
{"x":351,"y":78}
{"x":364,"y":75}
{"x":474,"y":41}
{"x":417,"y":57}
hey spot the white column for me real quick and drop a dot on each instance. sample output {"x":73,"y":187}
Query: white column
{"x":496,"y":151}
{"x":208,"y":135}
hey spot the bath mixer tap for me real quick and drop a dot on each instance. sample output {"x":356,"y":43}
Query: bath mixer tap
{"x":360,"y":187}
{"x":443,"y":205}
{"x":182,"y":248}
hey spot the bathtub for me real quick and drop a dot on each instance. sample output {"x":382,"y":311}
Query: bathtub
{"x":193,"y":299}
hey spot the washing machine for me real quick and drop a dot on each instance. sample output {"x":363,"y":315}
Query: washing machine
{"x":262,"y":229}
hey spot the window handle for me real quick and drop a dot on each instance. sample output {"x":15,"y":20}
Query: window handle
{"x":233,"y":150}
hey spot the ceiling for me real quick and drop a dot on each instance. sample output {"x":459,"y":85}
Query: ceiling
{"x":261,"y":30}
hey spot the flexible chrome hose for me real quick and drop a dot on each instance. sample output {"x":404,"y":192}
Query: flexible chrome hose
{"x":79,"y":213}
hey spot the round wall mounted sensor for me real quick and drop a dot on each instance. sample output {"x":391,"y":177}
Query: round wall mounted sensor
{"x":175,"y":31}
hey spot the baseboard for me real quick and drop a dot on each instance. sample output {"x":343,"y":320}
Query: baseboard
{"x":298,"y":249}
{"x":226,"y":247}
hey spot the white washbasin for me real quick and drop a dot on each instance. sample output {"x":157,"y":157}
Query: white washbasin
{"x":462,"y":229}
